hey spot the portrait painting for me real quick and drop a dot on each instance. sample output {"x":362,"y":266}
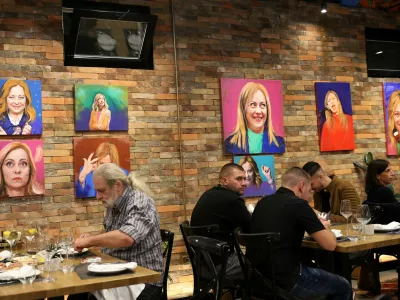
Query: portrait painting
{"x":101,"y":108}
{"x":22,"y":168}
{"x":335,"y":116}
{"x":20,"y":107}
{"x":252,"y":116}
{"x":259,"y":174}
{"x":391,"y":104}
{"x":89,"y":153}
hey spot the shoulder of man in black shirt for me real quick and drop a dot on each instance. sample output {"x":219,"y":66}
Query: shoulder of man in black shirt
{"x":223,"y":207}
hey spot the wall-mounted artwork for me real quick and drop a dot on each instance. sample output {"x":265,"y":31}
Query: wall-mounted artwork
{"x":101,"y":108}
{"x":20,"y":107}
{"x":260,"y":174}
{"x":89,"y":153}
{"x":391,"y":103}
{"x":22,"y":168}
{"x":335,"y":116}
{"x":252,"y":115}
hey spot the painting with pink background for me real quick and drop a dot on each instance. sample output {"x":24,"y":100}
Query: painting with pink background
{"x":36,"y":150}
{"x":231,"y":89}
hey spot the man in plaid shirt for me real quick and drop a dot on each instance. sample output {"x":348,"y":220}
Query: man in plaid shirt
{"x":131,"y":223}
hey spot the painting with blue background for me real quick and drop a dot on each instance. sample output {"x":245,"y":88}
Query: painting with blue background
{"x":35,"y":91}
{"x":116,"y":98}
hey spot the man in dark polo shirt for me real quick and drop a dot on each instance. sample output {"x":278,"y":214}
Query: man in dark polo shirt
{"x":329,"y":191}
{"x":223,"y":205}
{"x":288,"y":213}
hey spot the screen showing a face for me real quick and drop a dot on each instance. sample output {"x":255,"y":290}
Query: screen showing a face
{"x":99,"y":38}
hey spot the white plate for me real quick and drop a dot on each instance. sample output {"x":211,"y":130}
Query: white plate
{"x":386,"y":230}
{"x":13,"y":275}
{"x":110,"y":268}
{"x":71,"y":251}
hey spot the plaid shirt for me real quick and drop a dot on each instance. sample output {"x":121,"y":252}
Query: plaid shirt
{"x":135,"y":214}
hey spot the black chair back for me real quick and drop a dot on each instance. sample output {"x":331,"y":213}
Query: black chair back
{"x":260,"y":246}
{"x":203,"y":248}
{"x":167,"y":238}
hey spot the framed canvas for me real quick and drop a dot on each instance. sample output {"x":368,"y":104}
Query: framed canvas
{"x":20,"y":107}
{"x":89,"y":153}
{"x":101,"y":108}
{"x":391,"y":104}
{"x":335,"y":116}
{"x":22,"y":168}
{"x":252,"y":116}
{"x":259,"y":174}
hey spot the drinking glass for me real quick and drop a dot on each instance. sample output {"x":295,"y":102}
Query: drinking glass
{"x":30,"y":231}
{"x":345,"y":211}
{"x":65,"y":243}
{"x":363,"y":216}
{"x":32,"y":278}
{"x":10,"y":234}
{"x":50,"y":246}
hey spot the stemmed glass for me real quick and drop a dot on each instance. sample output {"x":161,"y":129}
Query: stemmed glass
{"x":30,"y":230}
{"x":50,"y":247}
{"x":345,"y":211}
{"x":10,"y":235}
{"x":363,"y":216}
{"x":65,"y":243}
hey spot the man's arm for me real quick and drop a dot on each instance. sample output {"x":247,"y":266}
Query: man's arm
{"x":325,"y":238}
{"x":112,"y":239}
{"x":348,"y":193}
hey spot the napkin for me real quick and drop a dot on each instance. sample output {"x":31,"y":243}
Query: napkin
{"x":123,"y":292}
{"x":5,"y":255}
{"x":25,"y":271}
{"x":337,"y":232}
{"x":107,"y":267}
{"x":390,"y":226}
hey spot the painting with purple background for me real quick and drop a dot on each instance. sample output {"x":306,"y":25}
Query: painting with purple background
{"x":252,"y":116}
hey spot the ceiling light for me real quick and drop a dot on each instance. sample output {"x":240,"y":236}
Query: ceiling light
{"x":324,"y":8}
{"x":379,"y":52}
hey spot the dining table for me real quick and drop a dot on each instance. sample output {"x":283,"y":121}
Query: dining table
{"x":71,"y":283}
{"x":340,"y":260}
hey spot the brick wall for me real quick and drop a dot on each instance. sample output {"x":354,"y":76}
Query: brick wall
{"x":283,"y":40}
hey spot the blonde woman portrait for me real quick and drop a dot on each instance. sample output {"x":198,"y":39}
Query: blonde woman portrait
{"x":20,"y":107}
{"x":18,"y":169}
{"x":335,"y":120}
{"x":393,"y":120}
{"x":94,"y":152}
{"x":259,"y":174}
{"x":100,"y":116}
{"x":251,"y":122}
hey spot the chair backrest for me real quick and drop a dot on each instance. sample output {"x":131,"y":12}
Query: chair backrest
{"x":383,"y":213}
{"x":167,"y":238}
{"x":203,"y":248}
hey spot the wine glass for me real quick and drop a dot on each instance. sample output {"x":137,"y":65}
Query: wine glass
{"x":30,"y":230}
{"x":363,"y":216}
{"x":345,"y":211}
{"x":65,"y":243}
{"x":50,"y":246}
{"x":10,"y":235}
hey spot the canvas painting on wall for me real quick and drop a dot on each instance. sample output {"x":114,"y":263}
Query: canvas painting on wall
{"x":252,"y":116}
{"x":391,"y":103}
{"x":20,"y":107}
{"x":101,"y":108}
{"x":22,"y":168}
{"x":259,"y":174}
{"x":89,"y":153}
{"x":335,"y":116}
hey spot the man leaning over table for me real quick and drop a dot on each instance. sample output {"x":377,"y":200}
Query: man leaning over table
{"x":329,"y":191}
{"x":288,"y":213}
{"x":132,"y":230}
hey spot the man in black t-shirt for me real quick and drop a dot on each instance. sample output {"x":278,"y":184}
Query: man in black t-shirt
{"x":222,"y":205}
{"x":288,"y":213}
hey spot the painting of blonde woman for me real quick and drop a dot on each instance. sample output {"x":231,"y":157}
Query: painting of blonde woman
{"x":101,"y":108}
{"x":259,"y":174}
{"x":391,"y":103}
{"x":252,"y":116}
{"x":20,"y":107}
{"x":335,"y":116}
{"x":22,"y":168}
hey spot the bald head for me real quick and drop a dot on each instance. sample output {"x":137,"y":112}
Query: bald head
{"x":297,"y":180}
{"x":228,"y":169}
{"x":232,"y":177}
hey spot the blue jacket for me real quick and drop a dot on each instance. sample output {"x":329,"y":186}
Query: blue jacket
{"x":88,"y":191}
{"x":266,"y":147}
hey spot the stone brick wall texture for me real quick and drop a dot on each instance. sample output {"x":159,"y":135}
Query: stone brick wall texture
{"x":283,"y":40}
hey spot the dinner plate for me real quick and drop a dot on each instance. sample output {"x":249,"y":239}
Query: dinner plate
{"x":386,"y":229}
{"x":14,"y":275}
{"x":73,"y":252}
{"x":111,"y":268}
{"x":115,"y":270}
